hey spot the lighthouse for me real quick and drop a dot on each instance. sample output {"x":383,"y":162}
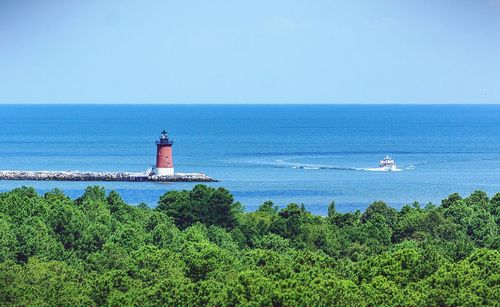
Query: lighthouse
{"x":164,"y":161}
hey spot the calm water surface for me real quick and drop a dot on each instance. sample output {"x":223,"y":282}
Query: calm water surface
{"x":303,"y":154}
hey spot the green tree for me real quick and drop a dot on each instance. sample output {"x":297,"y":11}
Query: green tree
{"x":8,"y":243}
{"x":290,"y":222}
{"x":380,"y":209}
{"x":451,"y":200}
{"x":36,"y":239}
{"x":199,"y":248}
{"x":210,"y":206}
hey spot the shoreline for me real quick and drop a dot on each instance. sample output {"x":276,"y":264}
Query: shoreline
{"x":101,"y":176}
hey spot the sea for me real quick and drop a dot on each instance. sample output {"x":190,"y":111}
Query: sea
{"x":304,"y":154}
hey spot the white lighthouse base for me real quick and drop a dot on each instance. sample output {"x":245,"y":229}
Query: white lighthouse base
{"x":165,"y":171}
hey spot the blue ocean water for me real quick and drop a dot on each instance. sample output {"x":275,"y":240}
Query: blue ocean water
{"x":309,"y":154}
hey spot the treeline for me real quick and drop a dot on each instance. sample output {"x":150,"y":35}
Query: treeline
{"x":198,"y":247}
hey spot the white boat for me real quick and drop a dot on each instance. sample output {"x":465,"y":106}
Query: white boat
{"x":388,"y":164}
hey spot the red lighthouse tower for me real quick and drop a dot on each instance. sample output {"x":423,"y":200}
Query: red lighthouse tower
{"x":164,"y":161}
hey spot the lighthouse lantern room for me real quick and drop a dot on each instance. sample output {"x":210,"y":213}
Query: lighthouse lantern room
{"x":164,"y":161}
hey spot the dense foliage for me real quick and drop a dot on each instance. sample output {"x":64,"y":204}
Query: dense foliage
{"x":199,"y":248}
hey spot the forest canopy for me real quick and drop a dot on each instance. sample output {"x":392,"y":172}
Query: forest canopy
{"x":198,"y":247}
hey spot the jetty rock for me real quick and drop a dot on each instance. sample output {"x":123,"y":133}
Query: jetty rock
{"x":102,"y":176}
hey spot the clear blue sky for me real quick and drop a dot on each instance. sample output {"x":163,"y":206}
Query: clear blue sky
{"x":311,"y":51}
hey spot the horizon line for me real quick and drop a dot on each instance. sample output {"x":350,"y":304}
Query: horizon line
{"x":245,"y":104}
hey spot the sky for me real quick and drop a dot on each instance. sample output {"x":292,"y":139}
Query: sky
{"x":256,"y":51}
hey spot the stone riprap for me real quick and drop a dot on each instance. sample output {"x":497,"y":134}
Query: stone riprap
{"x":101,"y":176}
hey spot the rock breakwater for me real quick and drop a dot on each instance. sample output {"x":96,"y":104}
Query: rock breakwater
{"x":101,"y":176}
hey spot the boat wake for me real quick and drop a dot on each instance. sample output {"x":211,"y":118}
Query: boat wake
{"x":283,"y":163}
{"x":380,"y":169}
{"x":367,"y":169}
{"x":295,"y":165}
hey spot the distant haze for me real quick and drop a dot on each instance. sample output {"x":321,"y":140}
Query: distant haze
{"x":310,"y":51}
